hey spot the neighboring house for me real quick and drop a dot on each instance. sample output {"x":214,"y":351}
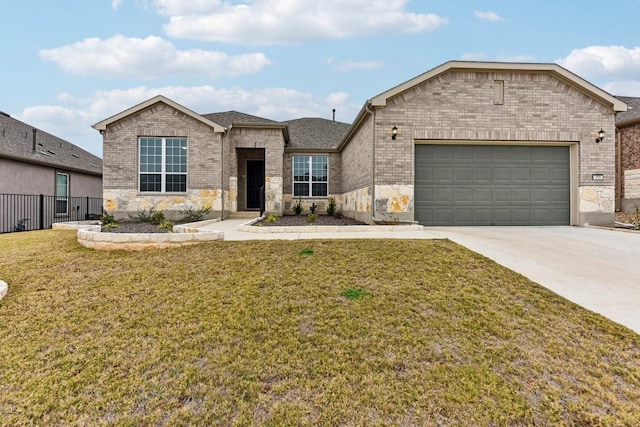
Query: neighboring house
{"x":466,"y":143}
{"x":628,"y":156}
{"x":33,"y":162}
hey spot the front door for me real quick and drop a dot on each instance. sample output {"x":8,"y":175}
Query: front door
{"x":255,"y":181}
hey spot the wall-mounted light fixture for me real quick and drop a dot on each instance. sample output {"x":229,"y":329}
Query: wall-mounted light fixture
{"x":394,"y":132}
{"x":600,"y":136}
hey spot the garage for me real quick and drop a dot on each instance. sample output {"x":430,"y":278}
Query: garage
{"x":492,"y":184}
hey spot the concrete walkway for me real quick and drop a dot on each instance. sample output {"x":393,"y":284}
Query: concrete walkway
{"x":595,"y":268}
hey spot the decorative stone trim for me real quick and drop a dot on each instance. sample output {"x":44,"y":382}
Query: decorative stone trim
{"x":4,"y":288}
{"x":249,"y":228}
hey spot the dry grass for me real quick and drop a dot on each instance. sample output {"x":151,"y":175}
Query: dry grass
{"x":260,"y":333}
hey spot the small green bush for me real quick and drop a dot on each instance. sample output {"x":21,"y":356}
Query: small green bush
{"x":109,"y":220}
{"x":157,"y":218}
{"x":312,"y":217}
{"x":297,"y":207}
{"x":193,"y":214}
{"x":331,"y":206}
{"x":166,"y":225}
{"x":273,"y":218}
{"x":143,"y":215}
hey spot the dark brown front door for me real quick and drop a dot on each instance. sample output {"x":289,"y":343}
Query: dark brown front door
{"x":255,"y":181}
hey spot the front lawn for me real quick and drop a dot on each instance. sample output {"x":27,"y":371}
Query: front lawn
{"x":357,"y":332}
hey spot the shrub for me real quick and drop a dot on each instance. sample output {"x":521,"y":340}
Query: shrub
{"x":297,"y":207}
{"x":166,"y":225}
{"x":144,"y":215}
{"x":331,"y":206}
{"x":109,"y":220}
{"x":313,"y":207}
{"x":273,"y":218}
{"x":312,"y":217}
{"x":193,"y":214}
{"x":157,"y":218}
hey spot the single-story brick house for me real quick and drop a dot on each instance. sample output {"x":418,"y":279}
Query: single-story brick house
{"x":628,"y":156}
{"x":466,"y":143}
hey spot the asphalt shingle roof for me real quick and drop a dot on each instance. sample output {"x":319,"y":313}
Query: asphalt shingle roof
{"x":16,"y":142}
{"x":227,"y":118}
{"x":316,"y":133}
{"x":633,"y":113}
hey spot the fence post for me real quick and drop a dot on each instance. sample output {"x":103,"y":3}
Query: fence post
{"x":41,"y":212}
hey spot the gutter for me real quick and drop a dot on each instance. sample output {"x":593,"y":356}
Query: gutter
{"x":619,"y":173}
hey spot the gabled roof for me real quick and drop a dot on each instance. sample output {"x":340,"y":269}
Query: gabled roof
{"x":16,"y":143}
{"x":227,"y":118}
{"x":632,"y":115}
{"x":148,"y":103}
{"x":555,"y":69}
{"x":237,"y":119}
{"x":316,"y":133}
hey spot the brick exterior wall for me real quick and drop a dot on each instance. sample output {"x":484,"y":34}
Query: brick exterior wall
{"x":120,"y":173}
{"x":630,"y":163}
{"x":459,"y":106}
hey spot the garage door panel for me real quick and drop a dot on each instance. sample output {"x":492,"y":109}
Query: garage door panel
{"x":491,"y":185}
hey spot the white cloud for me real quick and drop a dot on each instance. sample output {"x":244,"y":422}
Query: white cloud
{"x":115,"y":4}
{"x":488,"y":16}
{"x":72,"y":119}
{"x":474,"y":56}
{"x":151,"y":57}
{"x":623,"y":88}
{"x":616,"y":62}
{"x":349,"y":65}
{"x":267,"y":22}
{"x":516,"y":58}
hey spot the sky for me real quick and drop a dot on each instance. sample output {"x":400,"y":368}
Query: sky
{"x":68,"y":64}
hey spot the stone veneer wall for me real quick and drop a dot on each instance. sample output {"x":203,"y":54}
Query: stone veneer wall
{"x":120,"y":173}
{"x":459,"y":106}
{"x":630,"y":163}
{"x":272,"y":142}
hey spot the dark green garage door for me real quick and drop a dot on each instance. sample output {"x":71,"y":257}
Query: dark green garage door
{"x":492,"y":185}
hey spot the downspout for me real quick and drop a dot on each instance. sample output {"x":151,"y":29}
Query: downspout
{"x":619,"y":174}
{"x":373,"y":166}
{"x":222,"y":139}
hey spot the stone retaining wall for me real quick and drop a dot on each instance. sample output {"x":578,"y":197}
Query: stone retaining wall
{"x":90,"y":236}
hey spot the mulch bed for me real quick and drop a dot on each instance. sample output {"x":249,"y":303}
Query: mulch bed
{"x":135,"y":227}
{"x":301,"y":220}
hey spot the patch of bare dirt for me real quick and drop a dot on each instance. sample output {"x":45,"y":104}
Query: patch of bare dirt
{"x":301,"y":220}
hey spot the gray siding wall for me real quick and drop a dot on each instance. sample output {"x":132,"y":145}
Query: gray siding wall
{"x":26,"y":178}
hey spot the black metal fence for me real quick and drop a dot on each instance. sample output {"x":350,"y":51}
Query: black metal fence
{"x":24,"y":212}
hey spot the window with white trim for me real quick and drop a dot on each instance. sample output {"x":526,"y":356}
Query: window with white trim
{"x":310,"y":176}
{"x":62,"y":193}
{"x":163,"y":165}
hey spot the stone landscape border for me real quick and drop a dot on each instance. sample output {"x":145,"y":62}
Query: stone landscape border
{"x":250,"y":228}
{"x":90,"y":236}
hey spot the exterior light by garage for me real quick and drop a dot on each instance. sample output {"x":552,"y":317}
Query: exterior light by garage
{"x":394,"y":132}
{"x":597,"y":177}
{"x":600,"y":136}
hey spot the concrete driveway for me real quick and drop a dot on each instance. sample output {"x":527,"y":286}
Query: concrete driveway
{"x":598,"y":269}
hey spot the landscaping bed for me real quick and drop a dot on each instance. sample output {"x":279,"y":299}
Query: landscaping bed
{"x":303,"y":220}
